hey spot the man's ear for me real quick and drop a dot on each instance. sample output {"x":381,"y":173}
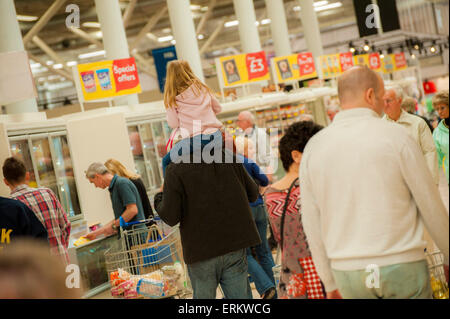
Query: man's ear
{"x":6,"y":182}
{"x":27,"y":177}
{"x":369,"y":96}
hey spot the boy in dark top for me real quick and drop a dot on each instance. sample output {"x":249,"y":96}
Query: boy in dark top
{"x":17,"y":220}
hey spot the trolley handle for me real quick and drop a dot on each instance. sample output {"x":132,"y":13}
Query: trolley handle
{"x":124,"y":224}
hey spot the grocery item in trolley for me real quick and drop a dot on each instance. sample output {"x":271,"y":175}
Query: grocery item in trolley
{"x":145,"y":263}
{"x":439,"y":284}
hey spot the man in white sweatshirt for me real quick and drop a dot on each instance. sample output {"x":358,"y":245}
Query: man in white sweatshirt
{"x":367,"y":196}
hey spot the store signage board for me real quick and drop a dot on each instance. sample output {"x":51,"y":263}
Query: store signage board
{"x":372,"y":60}
{"x":332,"y":65}
{"x":394,"y":62}
{"x":242,"y":69}
{"x":107,"y":79}
{"x":292,"y":68}
{"x":162,"y":56}
{"x":16,"y":79}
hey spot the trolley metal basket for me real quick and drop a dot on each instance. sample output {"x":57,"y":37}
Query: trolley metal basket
{"x":439,"y":284}
{"x":145,"y":263}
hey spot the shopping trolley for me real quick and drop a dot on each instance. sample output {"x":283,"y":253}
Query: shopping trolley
{"x":439,"y":284}
{"x":146,"y":263}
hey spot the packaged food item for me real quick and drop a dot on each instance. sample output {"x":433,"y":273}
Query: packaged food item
{"x":116,"y":282}
{"x":150,"y":288}
{"x":103,"y":78}
{"x":115,"y":292}
{"x":88,"y":81}
{"x":81,"y":241}
{"x":155,"y":275}
{"x":123,"y":274}
{"x":126,"y":285}
{"x":440,"y":290}
{"x":131,"y":294}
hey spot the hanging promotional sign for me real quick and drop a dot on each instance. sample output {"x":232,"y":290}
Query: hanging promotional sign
{"x":332,"y":65}
{"x":242,"y":69}
{"x":400,"y":61}
{"x":108,"y":79}
{"x":372,"y":60}
{"x":296,"y":67}
{"x":162,"y":56}
{"x":329,"y":65}
{"x":394,"y":62}
{"x":345,"y":61}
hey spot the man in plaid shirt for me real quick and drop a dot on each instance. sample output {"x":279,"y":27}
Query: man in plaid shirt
{"x":43,"y":202}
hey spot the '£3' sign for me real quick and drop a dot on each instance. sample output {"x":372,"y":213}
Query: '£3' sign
{"x":256,"y":65}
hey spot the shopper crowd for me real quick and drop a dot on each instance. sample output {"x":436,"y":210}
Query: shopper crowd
{"x":357,"y":195}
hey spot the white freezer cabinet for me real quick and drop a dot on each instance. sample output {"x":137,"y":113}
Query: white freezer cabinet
{"x":48,"y":161}
{"x":148,"y":146}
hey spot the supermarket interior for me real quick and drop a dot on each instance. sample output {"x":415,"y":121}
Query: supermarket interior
{"x":85,"y":81}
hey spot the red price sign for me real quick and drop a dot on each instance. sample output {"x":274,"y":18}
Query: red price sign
{"x":306,"y":63}
{"x":125,"y":74}
{"x":374,"y":61}
{"x":256,"y":65}
{"x":346,"y":61}
{"x":400,"y":60}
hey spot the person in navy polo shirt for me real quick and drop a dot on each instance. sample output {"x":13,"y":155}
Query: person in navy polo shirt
{"x":124,"y":197}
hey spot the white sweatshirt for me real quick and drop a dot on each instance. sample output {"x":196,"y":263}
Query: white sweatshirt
{"x":366,"y":195}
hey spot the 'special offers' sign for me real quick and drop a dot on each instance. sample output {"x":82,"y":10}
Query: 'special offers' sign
{"x":108,"y":79}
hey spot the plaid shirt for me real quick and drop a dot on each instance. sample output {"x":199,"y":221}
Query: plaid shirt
{"x":43,"y":202}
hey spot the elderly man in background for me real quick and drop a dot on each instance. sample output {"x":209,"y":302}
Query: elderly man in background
{"x":409,"y":105}
{"x":260,"y":139}
{"x":125,"y":198}
{"x":415,"y":126}
{"x":365,"y":210}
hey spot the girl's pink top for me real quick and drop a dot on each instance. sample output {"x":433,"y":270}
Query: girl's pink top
{"x":195,"y":114}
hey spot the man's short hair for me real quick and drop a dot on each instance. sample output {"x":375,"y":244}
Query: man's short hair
{"x":96,"y":168}
{"x":14,"y":170}
{"x":440,"y":98}
{"x":357,"y":80}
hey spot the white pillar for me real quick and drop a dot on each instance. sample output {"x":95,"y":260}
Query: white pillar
{"x":248,"y":31}
{"x":248,"y":34}
{"x":11,"y":40}
{"x":184,"y":34}
{"x":310,"y":25}
{"x":278,"y":27}
{"x":114,"y":39}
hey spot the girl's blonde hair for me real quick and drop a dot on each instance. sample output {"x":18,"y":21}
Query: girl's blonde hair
{"x":116,"y":167}
{"x":180,"y":77}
